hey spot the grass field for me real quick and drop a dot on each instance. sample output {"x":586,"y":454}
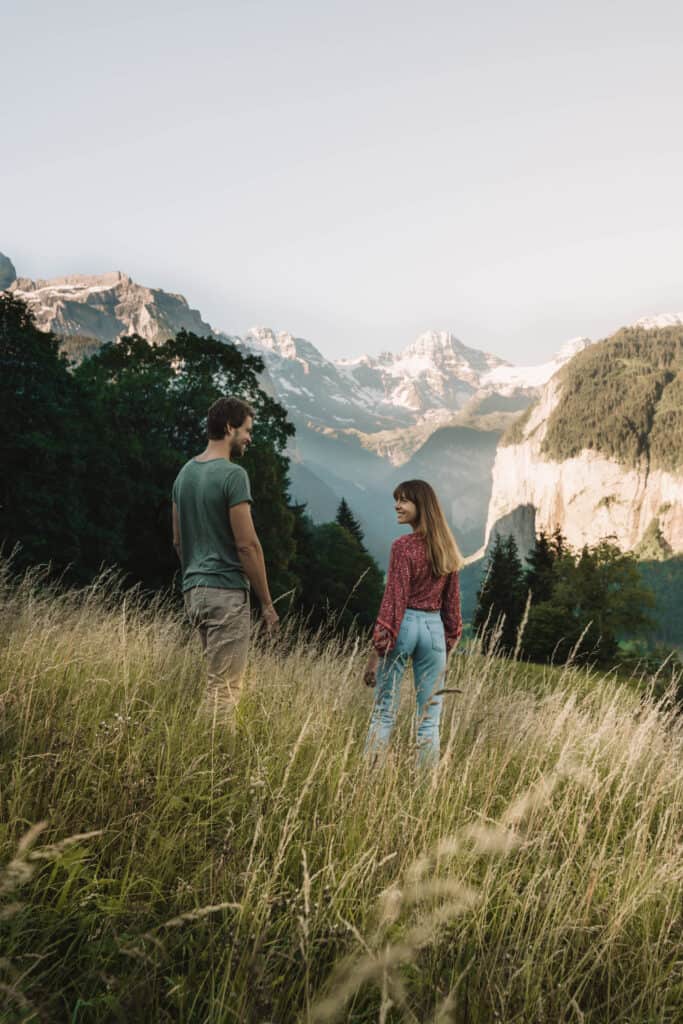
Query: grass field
{"x":154,"y":868}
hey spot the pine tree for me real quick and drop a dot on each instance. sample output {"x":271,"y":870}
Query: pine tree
{"x":515,"y":594}
{"x":348,"y":521}
{"x":558,"y":543}
{"x":500,"y":600}
{"x":538,"y":578}
{"x":340,"y":583}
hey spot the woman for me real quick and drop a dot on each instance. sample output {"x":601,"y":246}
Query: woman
{"x":419,"y":617}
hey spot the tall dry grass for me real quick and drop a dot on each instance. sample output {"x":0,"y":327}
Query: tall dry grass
{"x":159,"y":869}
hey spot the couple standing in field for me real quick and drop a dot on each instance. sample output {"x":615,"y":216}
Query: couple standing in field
{"x":222,"y":559}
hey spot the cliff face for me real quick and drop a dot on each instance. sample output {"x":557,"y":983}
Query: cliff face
{"x":107,"y":306}
{"x":589,"y":496}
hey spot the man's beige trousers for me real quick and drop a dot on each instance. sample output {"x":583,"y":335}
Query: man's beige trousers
{"x":223,"y":620}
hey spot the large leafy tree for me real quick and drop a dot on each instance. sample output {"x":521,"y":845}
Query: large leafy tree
{"x":89,"y":454}
{"x":150,"y":404}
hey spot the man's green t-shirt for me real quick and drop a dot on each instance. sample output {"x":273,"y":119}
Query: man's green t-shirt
{"x":203,"y":493}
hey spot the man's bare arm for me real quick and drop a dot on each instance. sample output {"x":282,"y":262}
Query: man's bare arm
{"x":251,"y":556}
{"x":176,"y":531}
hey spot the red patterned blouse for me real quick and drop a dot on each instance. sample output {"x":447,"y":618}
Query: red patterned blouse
{"x":410,"y":584}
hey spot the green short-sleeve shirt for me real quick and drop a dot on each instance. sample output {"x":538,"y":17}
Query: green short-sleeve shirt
{"x":203,"y":493}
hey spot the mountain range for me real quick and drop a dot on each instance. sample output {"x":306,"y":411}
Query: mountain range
{"x":436,"y":410}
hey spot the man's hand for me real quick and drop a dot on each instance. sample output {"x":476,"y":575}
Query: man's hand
{"x":370,"y":673}
{"x":270,"y":618}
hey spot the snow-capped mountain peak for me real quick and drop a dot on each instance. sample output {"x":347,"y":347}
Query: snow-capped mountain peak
{"x":570,"y":348}
{"x":660,"y":320}
{"x":508,"y":378}
{"x":434,"y":343}
{"x":283,"y":344}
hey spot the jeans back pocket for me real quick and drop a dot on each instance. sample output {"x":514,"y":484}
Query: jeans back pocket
{"x":437,"y":635}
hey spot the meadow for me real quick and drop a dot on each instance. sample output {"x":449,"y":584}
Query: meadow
{"x":157,"y":867}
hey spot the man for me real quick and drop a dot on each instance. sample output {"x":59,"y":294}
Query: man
{"x":220,"y":553}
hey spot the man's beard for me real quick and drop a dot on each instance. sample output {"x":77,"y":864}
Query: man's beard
{"x":236,"y":450}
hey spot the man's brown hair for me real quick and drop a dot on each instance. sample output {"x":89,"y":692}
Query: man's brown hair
{"x":226,"y":411}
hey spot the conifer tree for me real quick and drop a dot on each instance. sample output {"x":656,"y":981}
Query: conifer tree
{"x":340,"y":583}
{"x":597,"y":595}
{"x":558,"y":543}
{"x":538,"y":578}
{"x":500,"y":600}
{"x":348,"y":521}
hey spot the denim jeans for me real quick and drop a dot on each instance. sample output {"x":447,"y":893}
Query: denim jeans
{"x":421,"y":637}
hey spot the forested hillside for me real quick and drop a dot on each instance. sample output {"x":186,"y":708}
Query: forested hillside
{"x":89,"y":453}
{"x":624,"y":398}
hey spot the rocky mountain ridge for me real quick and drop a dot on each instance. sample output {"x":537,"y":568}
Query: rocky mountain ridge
{"x":104,"y":307}
{"x":434,"y":376}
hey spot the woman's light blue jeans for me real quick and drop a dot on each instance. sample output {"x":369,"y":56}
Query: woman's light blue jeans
{"x":421,"y":637}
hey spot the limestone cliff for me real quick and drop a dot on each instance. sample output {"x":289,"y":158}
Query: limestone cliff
{"x":589,"y":496}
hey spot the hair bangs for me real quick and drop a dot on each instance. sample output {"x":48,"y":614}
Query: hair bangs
{"x":406,"y":492}
{"x":442,"y":549}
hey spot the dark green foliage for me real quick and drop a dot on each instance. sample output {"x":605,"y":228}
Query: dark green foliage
{"x":500,"y":599}
{"x":538,"y":578}
{"x":89,"y":454}
{"x":151,"y":403}
{"x":661,"y":665}
{"x":41,"y":450}
{"x":340,"y":582}
{"x":590,"y":600}
{"x":551,"y":633}
{"x":582,"y":603}
{"x":623,"y":398}
{"x":346,"y":518}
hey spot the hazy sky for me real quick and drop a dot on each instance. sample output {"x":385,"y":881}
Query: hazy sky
{"x":357,"y":172}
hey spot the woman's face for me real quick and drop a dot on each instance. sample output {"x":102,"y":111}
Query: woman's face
{"x":406,"y":511}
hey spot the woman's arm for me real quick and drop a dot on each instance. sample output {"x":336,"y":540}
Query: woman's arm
{"x":450,"y":611}
{"x":391,"y":610}
{"x":395,"y":600}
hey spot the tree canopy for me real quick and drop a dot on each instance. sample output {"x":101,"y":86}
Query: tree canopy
{"x":89,"y":454}
{"x":581,"y":603}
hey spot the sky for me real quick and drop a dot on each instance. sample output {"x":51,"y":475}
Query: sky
{"x":355,"y":173}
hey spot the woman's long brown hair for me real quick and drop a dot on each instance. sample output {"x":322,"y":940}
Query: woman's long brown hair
{"x":442,"y":549}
